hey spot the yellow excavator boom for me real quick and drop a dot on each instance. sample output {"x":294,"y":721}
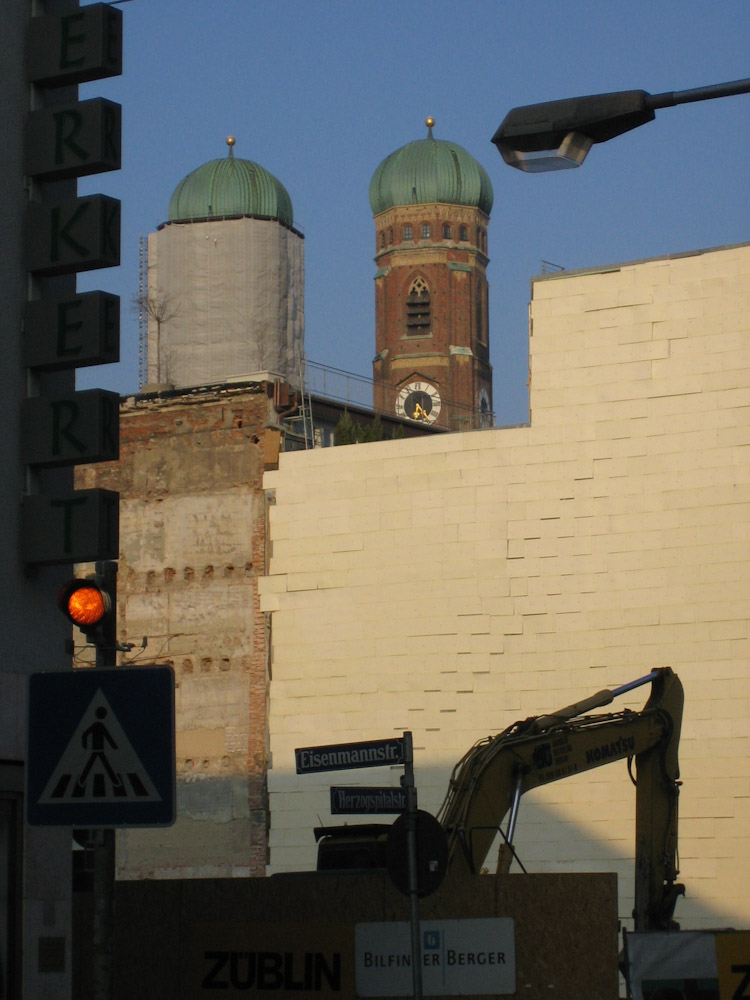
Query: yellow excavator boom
{"x":487,"y":784}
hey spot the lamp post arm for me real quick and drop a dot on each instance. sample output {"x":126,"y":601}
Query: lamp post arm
{"x":674,"y":97}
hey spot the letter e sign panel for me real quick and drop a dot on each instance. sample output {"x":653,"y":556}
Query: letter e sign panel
{"x":101,"y":749}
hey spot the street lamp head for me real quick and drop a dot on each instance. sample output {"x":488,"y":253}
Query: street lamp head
{"x":557,"y":135}
{"x":570,"y":153}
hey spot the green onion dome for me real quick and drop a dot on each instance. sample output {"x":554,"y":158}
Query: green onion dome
{"x":229,"y":188}
{"x":427,"y":171}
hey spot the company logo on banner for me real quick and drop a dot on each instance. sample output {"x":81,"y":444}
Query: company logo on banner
{"x":459,"y":958}
{"x":286,"y":960}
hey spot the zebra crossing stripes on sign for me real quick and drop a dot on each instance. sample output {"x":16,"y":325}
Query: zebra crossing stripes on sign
{"x":99,"y":764}
{"x":101,"y":748}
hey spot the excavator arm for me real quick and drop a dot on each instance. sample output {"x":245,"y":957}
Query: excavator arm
{"x":488,"y":782}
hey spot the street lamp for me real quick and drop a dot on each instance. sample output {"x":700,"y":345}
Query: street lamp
{"x":558,"y":134}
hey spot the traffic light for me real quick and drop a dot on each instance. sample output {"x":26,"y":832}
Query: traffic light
{"x":90,"y":604}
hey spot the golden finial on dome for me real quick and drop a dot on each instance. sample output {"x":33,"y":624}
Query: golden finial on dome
{"x":231,"y":140}
{"x":429,"y":121}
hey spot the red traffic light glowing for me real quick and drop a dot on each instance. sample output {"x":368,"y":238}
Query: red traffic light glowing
{"x":84,"y":603}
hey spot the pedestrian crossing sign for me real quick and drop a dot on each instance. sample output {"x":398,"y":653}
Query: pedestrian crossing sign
{"x":101,"y":748}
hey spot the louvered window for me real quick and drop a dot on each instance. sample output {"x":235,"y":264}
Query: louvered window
{"x":418,"y":308}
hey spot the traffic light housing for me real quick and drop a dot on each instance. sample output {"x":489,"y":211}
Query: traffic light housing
{"x":90,"y":605}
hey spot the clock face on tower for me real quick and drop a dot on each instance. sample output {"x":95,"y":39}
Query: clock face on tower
{"x":418,"y":401}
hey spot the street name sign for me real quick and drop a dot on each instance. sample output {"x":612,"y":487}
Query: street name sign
{"x":358,"y":800}
{"x":101,"y":748}
{"x":347,"y":756}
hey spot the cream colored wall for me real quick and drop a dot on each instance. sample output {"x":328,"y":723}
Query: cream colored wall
{"x":451,"y":585}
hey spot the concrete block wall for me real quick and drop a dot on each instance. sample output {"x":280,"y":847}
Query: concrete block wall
{"x":452,"y":585}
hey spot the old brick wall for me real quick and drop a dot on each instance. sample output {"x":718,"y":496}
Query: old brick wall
{"x":192,"y":538}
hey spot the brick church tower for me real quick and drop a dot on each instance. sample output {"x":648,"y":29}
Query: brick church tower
{"x":431,"y":201}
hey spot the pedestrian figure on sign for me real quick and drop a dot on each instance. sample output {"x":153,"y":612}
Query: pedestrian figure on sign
{"x":96,"y":736}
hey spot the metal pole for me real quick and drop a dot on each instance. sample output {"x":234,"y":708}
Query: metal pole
{"x":671,"y":98}
{"x":411,"y":844}
{"x":103,"y":930}
{"x":103,"y":923}
{"x":624,"y":688}
{"x":514,"y":810}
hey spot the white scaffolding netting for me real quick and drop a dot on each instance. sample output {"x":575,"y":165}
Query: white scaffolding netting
{"x":225,"y":299}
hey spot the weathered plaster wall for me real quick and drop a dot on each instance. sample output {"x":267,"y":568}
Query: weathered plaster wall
{"x":452,"y":585}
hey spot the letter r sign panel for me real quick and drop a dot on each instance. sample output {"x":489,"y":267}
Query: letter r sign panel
{"x":101,"y":748}
{"x":71,"y":430}
{"x":74,"y":140}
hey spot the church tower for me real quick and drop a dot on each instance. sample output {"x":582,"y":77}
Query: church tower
{"x":431,"y":201}
{"x":225,"y":296}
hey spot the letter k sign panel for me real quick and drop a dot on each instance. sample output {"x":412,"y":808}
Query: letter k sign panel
{"x":101,"y":748}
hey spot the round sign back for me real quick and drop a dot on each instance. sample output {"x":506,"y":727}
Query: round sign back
{"x":432,"y":854}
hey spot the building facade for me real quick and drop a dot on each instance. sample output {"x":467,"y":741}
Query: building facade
{"x":452,"y":585}
{"x":431,"y":202}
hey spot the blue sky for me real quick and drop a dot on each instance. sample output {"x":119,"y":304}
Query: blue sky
{"x":320,"y":91}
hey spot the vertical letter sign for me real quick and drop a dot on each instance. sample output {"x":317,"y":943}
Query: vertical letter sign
{"x":63,"y":141}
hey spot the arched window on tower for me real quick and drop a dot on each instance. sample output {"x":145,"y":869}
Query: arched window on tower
{"x":463,"y":236}
{"x":446,"y":231}
{"x":407,"y":232}
{"x":418,"y":309}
